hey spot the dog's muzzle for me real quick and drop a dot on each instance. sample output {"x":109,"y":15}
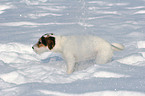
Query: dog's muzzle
{"x":39,"y":50}
{"x":35,"y":48}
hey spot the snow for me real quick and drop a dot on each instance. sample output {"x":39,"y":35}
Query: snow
{"x":25,"y":73}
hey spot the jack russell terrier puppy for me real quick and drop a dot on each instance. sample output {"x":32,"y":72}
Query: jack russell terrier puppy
{"x":77,"y":48}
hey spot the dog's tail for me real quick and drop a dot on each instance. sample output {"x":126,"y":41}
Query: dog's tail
{"x":117,"y":46}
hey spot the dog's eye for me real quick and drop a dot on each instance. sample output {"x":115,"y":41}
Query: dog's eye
{"x":39,"y":42}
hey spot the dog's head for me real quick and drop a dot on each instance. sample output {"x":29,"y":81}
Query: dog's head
{"x":45,"y":43}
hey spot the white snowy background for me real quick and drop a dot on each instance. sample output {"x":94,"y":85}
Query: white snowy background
{"x":24,"y":73}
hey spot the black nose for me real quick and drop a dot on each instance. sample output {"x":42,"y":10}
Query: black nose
{"x":32,"y":47}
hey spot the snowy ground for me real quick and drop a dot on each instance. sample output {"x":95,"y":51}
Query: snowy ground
{"x":24,"y":73}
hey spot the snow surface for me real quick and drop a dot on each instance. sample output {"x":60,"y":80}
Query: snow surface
{"x":24,"y":73}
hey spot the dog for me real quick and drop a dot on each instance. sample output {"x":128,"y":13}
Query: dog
{"x":77,"y":48}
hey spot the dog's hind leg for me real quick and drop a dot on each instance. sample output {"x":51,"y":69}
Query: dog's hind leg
{"x":104,"y":56}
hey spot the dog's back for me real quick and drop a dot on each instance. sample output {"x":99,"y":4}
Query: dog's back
{"x":84,"y":47}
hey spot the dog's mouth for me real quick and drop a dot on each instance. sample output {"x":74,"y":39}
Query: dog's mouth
{"x":39,"y":50}
{"x":35,"y":49}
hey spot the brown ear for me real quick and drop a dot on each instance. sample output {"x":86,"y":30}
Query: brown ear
{"x":51,"y":42}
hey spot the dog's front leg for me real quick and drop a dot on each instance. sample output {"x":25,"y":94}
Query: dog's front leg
{"x":70,"y":64}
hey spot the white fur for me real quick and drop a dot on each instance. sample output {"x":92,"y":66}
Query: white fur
{"x":40,"y":50}
{"x":77,"y":48}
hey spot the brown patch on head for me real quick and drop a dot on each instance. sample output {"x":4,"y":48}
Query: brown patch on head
{"x":50,"y":42}
{"x":40,"y":43}
{"x":46,"y":40}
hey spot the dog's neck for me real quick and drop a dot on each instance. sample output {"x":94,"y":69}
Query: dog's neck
{"x":58,"y":44}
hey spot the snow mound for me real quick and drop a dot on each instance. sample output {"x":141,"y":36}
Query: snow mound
{"x":140,"y":12}
{"x":141,"y":44}
{"x":13,"y":77}
{"x":132,"y":60}
{"x":5,"y":7}
{"x":105,"y":93}
{"x":135,"y":59}
{"x":16,"y":53}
